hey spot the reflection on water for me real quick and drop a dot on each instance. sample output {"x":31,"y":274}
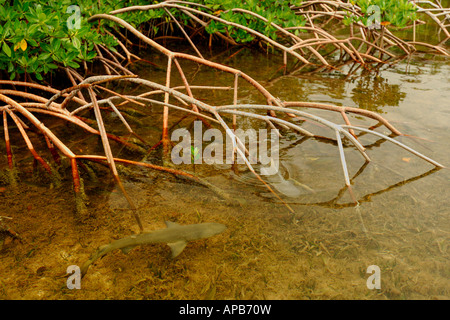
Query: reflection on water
{"x":419,"y":88}
{"x":371,"y":93}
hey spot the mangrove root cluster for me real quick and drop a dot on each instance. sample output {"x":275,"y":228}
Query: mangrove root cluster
{"x":25,"y":103}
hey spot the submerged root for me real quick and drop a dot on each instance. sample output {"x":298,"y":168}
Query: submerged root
{"x":81,"y":201}
{"x":80,"y":195}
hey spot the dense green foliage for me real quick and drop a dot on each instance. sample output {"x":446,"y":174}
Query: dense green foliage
{"x":276,"y":11}
{"x":35,"y":38}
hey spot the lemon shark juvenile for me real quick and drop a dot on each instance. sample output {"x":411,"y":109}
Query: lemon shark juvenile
{"x":175,"y":235}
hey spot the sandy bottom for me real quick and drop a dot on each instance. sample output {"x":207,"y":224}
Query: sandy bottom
{"x":265,"y":253}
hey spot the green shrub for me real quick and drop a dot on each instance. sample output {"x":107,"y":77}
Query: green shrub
{"x":276,"y":11}
{"x":35,"y":38}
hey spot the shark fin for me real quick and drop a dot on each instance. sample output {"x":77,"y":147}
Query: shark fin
{"x":171,"y":224}
{"x":177,"y":247}
{"x":127,"y":249}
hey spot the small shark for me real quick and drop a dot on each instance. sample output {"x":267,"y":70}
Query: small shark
{"x":175,"y":235}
